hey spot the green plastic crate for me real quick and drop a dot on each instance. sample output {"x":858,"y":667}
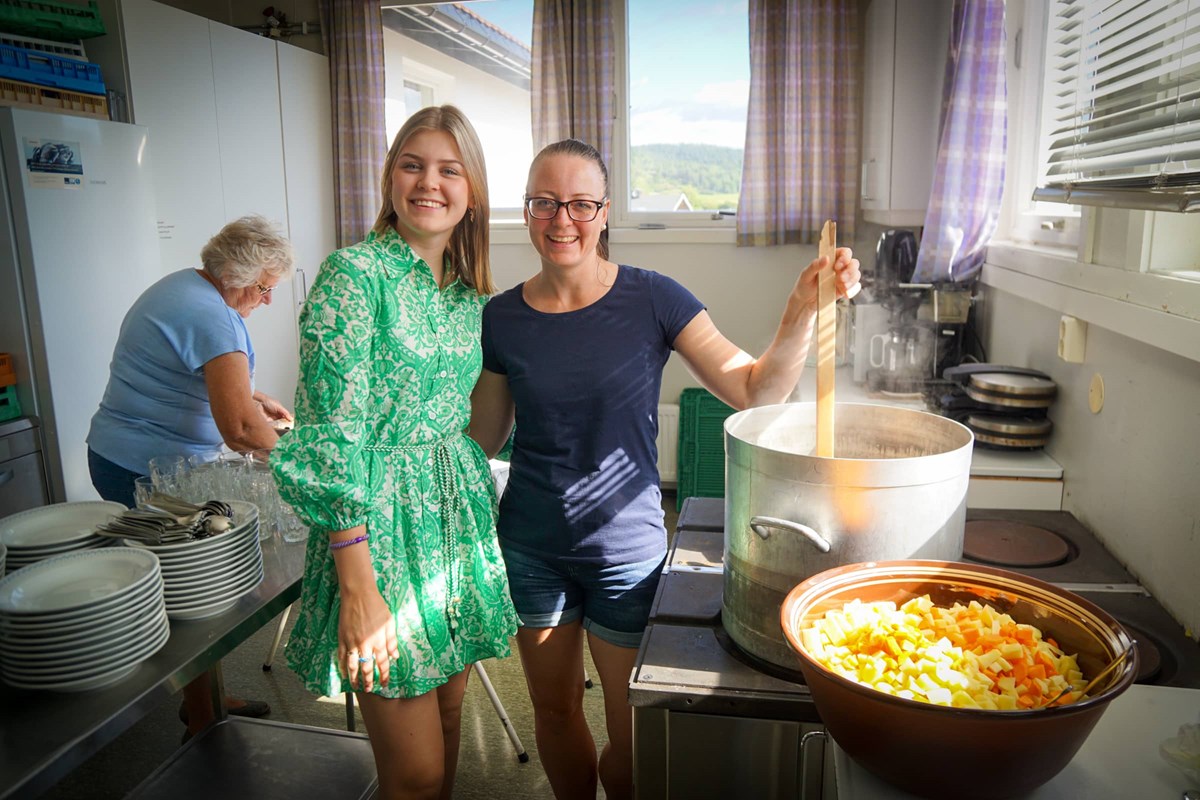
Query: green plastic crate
{"x":701,"y":446}
{"x":46,"y":19}
{"x":10,"y":407}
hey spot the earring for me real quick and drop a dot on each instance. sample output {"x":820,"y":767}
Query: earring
{"x":471,"y":214}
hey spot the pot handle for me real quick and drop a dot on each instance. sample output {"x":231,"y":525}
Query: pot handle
{"x":761,"y":526}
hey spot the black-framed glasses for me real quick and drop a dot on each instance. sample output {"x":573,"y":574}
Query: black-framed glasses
{"x":578,"y":210}
{"x":263,"y":291}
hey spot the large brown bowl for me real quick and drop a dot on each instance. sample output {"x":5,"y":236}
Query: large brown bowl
{"x":941,"y":752}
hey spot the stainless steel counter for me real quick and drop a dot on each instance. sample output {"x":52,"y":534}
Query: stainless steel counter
{"x":44,"y":735}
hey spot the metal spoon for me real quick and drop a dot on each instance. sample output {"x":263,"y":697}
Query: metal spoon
{"x":1102,"y":673}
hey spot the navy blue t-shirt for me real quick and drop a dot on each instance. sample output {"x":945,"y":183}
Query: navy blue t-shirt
{"x":584,"y":483}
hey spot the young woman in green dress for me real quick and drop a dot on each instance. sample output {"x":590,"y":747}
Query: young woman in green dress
{"x":404,"y":587}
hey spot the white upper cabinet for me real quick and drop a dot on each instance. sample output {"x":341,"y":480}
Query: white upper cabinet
{"x":239,"y":124}
{"x":904,"y":66}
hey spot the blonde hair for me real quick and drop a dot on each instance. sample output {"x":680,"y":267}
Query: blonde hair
{"x":468,"y":249}
{"x":244,"y":250}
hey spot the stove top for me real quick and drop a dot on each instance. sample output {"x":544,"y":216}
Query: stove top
{"x":1052,"y":546}
{"x":684,"y":660}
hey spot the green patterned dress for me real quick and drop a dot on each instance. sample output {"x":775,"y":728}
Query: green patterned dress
{"x":387,"y":364}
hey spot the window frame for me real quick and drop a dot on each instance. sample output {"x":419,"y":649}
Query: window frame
{"x":1024,"y":219}
{"x":619,"y":171}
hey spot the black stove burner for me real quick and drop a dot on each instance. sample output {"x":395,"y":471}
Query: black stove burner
{"x":754,"y":662}
{"x":1088,"y":561}
{"x":1014,"y":544}
{"x":1149,"y":656}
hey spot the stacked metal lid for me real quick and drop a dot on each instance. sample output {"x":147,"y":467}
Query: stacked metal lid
{"x":1006,"y":406}
{"x":81,"y":620}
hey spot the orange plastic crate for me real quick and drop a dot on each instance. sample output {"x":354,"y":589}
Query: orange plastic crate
{"x":48,"y":98}
{"x":7,"y":376}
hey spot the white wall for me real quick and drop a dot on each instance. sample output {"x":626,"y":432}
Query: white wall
{"x":1132,"y":472}
{"x":499,"y":110}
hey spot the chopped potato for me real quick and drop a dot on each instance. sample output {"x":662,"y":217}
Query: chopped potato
{"x":966,"y":656}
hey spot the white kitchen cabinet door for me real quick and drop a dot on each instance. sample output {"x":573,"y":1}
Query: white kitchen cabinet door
{"x":246,"y":86}
{"x":904,"y":66}
{"x":170,"y":70}
{"x":307,"y":113}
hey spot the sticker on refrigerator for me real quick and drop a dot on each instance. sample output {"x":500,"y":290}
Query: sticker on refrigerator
{"x":53,"y":164}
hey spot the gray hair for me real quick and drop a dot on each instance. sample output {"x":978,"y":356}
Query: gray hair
{"x":244,"y":250}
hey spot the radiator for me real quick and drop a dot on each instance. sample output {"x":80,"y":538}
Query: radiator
{"x":668,"y":443}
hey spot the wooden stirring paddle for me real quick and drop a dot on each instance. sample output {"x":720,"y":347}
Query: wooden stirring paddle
{"x":826,"y":340}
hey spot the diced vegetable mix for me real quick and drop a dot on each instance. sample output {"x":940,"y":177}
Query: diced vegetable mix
{"x":966,"y":656}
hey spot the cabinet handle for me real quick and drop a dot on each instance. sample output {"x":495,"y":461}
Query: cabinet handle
{"x":810,"y":736}
{"x":7,"y":476}
{"x":866,"y":174}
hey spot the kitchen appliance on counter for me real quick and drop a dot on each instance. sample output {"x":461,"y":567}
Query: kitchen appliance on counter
{"x":906,"y":333}
{"x":1004,"y":406}
{"x":708,"y":716}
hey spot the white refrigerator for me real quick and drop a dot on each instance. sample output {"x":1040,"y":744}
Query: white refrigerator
{"x":78,"y":244}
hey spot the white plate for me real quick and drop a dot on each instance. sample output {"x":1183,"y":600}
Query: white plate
{"x":211,"y":609}
{"x":83,"y":620}
{"x":199,"y":551}
{"x":145,"y":644}
{"x":237,"y":564}
{"x":75,"y":580}
{"x":17,"y":640}
{"x":236,"y":588}
{"x":202,"y":554}
{"x":56,"y":524}
{"x":29,"y":554}
{"x":229,"y":562}
{"x":75,"y":656}
{"x":90,"y":681}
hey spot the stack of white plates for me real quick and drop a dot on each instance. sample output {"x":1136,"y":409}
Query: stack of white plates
{"x":206,"y":577}
{"x":49,"y":531}
{"x":81,"y":620}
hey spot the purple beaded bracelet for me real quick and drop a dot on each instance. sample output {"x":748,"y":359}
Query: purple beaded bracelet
{"x":348,"y":542}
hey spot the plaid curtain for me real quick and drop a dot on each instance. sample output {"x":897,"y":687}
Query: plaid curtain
{"x":801,"y":158}
{"x":573,"y":73}
{"x":964,"y":203}
{"x":352,"y":32}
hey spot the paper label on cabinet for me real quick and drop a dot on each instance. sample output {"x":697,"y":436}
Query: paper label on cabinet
{"x":53,"y":164}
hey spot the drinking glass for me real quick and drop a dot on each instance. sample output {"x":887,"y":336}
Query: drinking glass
{"x":293,"y":529}
{"x":164,"y":472}
{"x":143,"y":487}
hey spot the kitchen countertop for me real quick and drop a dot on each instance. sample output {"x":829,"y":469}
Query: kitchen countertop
{"x":1120,"y":758}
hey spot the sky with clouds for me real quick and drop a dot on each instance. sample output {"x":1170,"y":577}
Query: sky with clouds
{"x":688,"y":64}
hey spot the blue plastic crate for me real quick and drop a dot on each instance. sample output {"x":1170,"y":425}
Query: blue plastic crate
{"x":46,"y":69}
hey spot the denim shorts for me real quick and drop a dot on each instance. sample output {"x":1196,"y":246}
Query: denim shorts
{"x":612,"y":599}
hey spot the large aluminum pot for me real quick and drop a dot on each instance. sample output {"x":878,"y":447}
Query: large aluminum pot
{"x":896,"y":488}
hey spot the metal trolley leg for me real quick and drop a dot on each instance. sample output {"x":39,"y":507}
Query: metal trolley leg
{"x":283,"y":618}
{"x":522,"y":756}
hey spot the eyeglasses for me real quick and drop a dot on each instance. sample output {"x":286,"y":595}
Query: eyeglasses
{"x":263,"y":291}
{"x":578,"y":210}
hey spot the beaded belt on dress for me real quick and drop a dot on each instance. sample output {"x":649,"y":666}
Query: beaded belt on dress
{"x":448,"y":490}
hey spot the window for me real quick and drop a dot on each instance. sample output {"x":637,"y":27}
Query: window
{"x":1029,"y":126}
{"x":1041,"y":49}
{"x":476,"y":56}
{"x":681,"y":129}
{"x":1123,"y":81}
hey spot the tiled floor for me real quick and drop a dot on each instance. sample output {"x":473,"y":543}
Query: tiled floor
{"x":488,"y":767}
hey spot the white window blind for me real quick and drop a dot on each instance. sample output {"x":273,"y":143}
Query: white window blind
{"x":1123,"y":78}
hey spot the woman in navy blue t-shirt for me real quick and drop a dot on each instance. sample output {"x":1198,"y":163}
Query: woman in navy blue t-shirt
{"x":576,"y":353}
